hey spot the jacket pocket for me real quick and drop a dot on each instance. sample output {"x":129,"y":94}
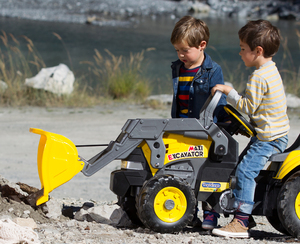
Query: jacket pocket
{"x":201,"y":86}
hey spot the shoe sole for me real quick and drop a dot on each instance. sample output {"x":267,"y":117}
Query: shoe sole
{"x":218,"y":232}
{"x":208,"y":227}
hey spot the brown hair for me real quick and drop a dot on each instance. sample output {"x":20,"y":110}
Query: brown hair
{"x":261,"y":33}
{"x":191,"y":30}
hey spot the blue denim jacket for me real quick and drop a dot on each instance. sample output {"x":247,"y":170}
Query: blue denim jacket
{"x":209,"y":75}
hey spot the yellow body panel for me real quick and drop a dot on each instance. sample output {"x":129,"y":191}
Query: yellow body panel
{"x":292,"y":161}
{"x":179,"y":147}
{"x":57,"y":161}
{"x":147,"y":153}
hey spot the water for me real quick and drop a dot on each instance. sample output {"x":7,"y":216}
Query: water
{"x":81,"y":40}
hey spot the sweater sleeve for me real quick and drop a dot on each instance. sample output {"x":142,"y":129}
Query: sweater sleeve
{"x":249,"y":103}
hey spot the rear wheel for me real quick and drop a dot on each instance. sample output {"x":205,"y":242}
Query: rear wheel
{"x":289,"y":206}
{"x":275,"y":222}
{"x":166,"y":204}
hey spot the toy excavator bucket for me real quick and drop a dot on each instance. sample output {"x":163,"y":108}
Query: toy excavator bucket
{"x":57,"y":160}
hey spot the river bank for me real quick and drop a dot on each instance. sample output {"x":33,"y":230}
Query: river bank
{"x":124,"y":12}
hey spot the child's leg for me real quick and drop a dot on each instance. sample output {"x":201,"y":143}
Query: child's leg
{"x":248,"y":169}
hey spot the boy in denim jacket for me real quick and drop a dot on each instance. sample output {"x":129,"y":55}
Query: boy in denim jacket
{"x":265,"y":104}
{"x":194,"y":74}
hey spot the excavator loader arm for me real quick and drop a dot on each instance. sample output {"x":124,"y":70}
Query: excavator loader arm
{"x":57,"y":161}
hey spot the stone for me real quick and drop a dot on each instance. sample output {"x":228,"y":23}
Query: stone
{"x":58,"y":79}
{"x":292,"y":101}
{"x":104,"y":214}
{"x":53,"y":209}
{"x":3,"y":86}
{"x":28,"y":222}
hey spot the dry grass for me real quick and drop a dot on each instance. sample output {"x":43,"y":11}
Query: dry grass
{"x":118,"y":78}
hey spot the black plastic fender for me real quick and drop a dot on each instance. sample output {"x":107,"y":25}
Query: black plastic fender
{"x":122,"y":180}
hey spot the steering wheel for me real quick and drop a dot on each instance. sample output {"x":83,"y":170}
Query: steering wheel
{"x":238,"y":123}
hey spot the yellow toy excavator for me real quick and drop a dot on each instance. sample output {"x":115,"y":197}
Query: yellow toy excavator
{"x":167,"y":165}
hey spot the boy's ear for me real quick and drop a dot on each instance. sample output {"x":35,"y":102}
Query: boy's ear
{"x":259,"y":51}
{"x":202,"y":45}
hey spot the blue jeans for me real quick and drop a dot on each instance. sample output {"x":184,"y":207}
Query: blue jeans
{"x":248,"y":169}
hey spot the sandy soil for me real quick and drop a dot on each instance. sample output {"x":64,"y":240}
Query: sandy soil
{"x":99,"y":125}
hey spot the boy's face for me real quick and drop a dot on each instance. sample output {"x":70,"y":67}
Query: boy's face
{"x":192,"y":57}
{"x":249,"y":57}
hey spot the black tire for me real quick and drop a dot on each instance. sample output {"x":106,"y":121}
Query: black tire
{"x":166,"y":204}
{"x":275,"y":222}
{"x":289,"y":206}
{"x":127,"y":203}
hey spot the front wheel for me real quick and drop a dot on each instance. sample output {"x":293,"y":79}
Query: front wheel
{"x":289,"y":206}
{"x":166,"y":204}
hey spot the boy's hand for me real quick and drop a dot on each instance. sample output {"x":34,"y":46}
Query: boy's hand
{"x":223,"y":88}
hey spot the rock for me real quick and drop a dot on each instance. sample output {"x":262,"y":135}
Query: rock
{"x":105,"y":214}
{"x":3,"y":86}
{"x":28,"y":222}
{"x":129,"y":12}
{"x":124,"y":221}
{"x":58,"y":80}
{"x":53,"y":208}
{"x":11,"y":232}
{"x":199,"y":7}
{"x":11,"y":190}
{"x":292,"y":101}
{"x":255,"y":9}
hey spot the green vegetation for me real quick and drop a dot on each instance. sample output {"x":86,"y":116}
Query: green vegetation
{"x":290,"y":75}
{"x":118,"y":78}
{"x":290,"y":72}
{"x":235,"y":77}
{"x":108,"y":77}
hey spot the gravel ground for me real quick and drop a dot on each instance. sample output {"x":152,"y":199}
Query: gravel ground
{"x":65,"y":230}
{"x":90,"y":126}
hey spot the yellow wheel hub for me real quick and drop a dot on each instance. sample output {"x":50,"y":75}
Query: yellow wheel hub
{"x":170,"y":204}
{"x":297,"y":205}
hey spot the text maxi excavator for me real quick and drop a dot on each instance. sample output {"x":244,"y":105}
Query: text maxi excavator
{"x":168,"y":165}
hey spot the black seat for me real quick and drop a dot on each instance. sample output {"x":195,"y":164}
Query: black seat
{"x":294,"y":145}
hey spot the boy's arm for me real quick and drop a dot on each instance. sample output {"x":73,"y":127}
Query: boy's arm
{"x":223,"y":88}
{"x":245,"y":103}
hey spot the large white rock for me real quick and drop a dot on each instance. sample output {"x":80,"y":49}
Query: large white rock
{"x":58,"y":79}
{"x":3,"y":86}
{"x":292,"y":101}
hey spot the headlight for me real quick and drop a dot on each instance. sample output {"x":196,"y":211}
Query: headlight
{"x":124,"y":164}
{"x":131,"y":165}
